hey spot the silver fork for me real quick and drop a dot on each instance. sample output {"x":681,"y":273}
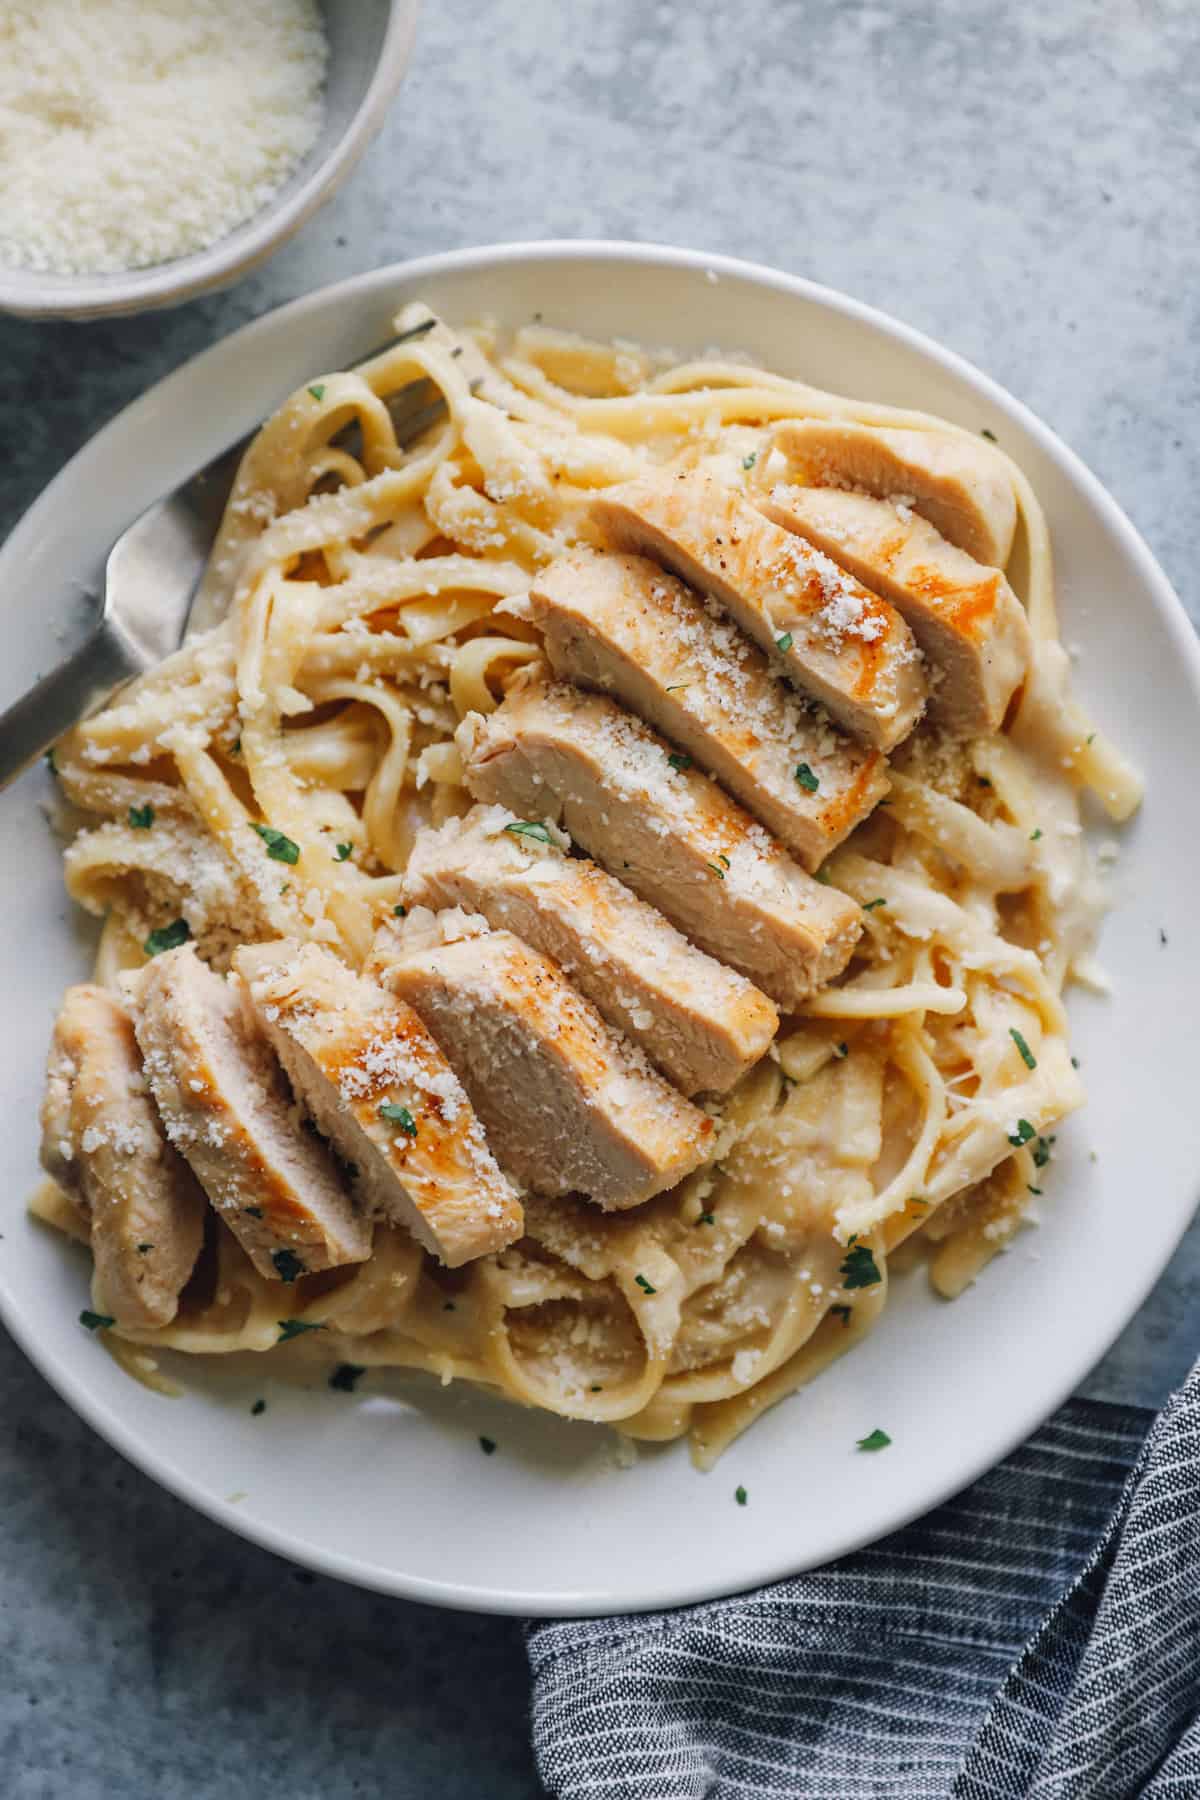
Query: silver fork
{"x":150,"y":580}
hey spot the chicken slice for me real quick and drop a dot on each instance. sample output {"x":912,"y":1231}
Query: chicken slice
{"x":225,"y":1104}
{"x":619,"y":624}
{"x":970,"y":625}
{"x":961,"y":487}
{"x":843,"y":646}
{"x":702,"y":1024}
{"x":380,"y":1089}
{"x":104,"y":1144}
{"x":569,"y":1105}
{"x":667,"y":832}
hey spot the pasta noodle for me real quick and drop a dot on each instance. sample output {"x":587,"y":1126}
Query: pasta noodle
{"x":345,"y":625}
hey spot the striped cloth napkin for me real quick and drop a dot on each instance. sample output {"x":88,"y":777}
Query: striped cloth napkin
{"x":1039,"y":1635}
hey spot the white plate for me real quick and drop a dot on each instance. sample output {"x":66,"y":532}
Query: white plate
{"x":389,"y":1487}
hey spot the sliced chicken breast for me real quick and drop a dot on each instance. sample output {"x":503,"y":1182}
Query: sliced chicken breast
{"x":669,"y":833}
{"x":226,"y":1107}
{"x":843,"y":646}
{"x":969,"y":623}
{"x":57,"y":1149}
{"x":702,"y":1024}
{"x":623,"y":626}
{"x":103,"y":1142}
{"x":568,"y":1104}
{"x":960,"y":486}
{"x":380,"y":1089}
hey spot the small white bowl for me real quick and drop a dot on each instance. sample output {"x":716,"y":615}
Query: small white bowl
{"x":369,"y":46}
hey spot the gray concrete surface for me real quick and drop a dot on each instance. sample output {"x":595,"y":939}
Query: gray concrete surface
{"x":1019,"y":180}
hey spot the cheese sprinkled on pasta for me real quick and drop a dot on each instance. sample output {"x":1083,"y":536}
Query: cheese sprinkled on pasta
{"x":354,"y":612}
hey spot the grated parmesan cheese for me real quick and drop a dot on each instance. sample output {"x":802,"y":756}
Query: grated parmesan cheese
{"x":133,"y":132}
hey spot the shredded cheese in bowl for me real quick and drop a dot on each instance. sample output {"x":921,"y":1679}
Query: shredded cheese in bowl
{"x":135,"y":132}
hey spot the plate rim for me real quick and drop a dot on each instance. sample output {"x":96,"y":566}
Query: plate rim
{"x":141,"y":1451}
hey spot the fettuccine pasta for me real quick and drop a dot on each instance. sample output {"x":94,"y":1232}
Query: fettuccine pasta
{"x":346,"y":624}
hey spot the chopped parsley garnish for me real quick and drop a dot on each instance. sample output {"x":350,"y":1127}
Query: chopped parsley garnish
{"x":1074,"y":1062}
{"x":294,"y":1328}
{"x":675,"y":687}
{"x":1033,"y":1190}
{"x":395,"y":1114}
{"x":342,"y":852}
{"x":259,"y":1407}
{"x":96,"y":1321}
{"x":717,"y":871}
{"x":416,"y":331}
{"x":1035,"y":835}
{"x":1041,"y":1152}
{"x":680,"y":762}
{"x":784,"y":643}
{"x":1162,"y":936}
{"x":1091,"y":737}
{"x":740,"y":1495}
{"x":858,"y":1269}
{"x":235,"y":749}
{"x":748,"y":462}
{"x":144,"y":1249}
{"x":488,"y":1446}
{"x":253,"y":1212}
{"x":706,"y":1218}
{"x":646,"y":1286}
{"x":875,"y":1440}
{"x":400,"y":912}
{"x":723,"y":859}
{"x":1022,"y":1134}
{"x":989,"y":435}
{"x":597,"y":1387}
{"x":1027,"y":1056}
{"x":167,"y":937}
{"x":842,"y":1313}
{"x":317,"y":390}
{"x":287,"y":1264}
{"x":279,"y":848}
{"x":141,"y":817}
{"x":346,"y":1376}
{"x":841,"y":1051}
{"x":530,"y":828}
{"x":870,"y":905}
{"x":808,"y":781}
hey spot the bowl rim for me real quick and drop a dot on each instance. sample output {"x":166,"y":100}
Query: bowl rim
{"x":672,"y":1591}
{"x":37,"y":294}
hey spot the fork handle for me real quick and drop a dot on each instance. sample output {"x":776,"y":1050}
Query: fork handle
{"x":82,"y":682}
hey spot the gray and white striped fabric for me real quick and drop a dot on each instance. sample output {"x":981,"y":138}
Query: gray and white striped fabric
{"x":1039,"y":1636}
